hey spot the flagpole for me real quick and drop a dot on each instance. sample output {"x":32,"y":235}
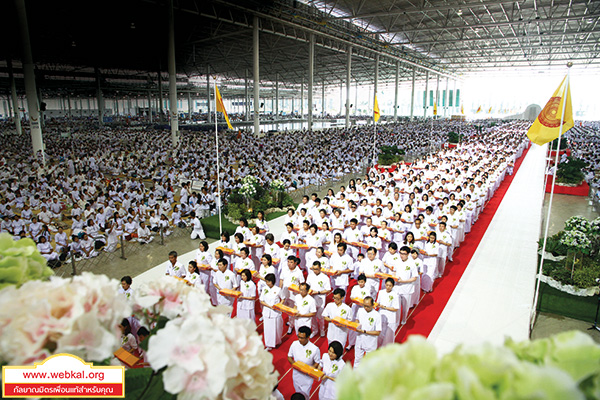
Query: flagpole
{"x":219,"y":199}
{"x":539,"y":274}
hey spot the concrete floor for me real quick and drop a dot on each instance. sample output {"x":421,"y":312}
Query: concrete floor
{"x":550,"y":324}
{"x":563,"y":207}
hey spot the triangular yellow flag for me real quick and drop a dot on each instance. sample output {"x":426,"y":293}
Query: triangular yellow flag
{"x":478,"y":110}
{"x":221,"y":107}
{"x":376,"y":113}
{"x":546,"y":127}
{"x":462,"y":109}
{"x":434,"y":108}
{"x":490,"y":110}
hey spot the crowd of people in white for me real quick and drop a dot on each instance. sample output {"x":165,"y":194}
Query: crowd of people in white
{"x":350,"y":266}
{"x":99,"y":185}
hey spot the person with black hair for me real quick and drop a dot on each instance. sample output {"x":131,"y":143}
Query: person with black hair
{"x":273,"y":322}
{"x":304,"y":351}
{"x":331,"y":364}
{"x":337,"y":309}
{"x":125,"y":287}
{"x":128,"y":341}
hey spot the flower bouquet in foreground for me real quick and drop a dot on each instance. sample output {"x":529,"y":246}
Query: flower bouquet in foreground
{"x":565,"y":366}
{"x":195,"y":350}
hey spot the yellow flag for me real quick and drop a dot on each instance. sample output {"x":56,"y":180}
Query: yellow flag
{"x":221,"y":107}
{"x":546,"y":127}
{"x":490,"y":110}
{"x":462,"y":109}
{"x":478,"y":110}
{"x":376,"y":113}
{"x":434,"y":108}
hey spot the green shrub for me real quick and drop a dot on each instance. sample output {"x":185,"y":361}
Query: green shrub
{"x":563,"y":143}
{"x":389,"y":155}
{"x":586,"y":277}
{"x":570,"y":172}
{"x":454,"y":137}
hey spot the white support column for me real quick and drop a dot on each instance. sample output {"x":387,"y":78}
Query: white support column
{"x":396,"y":90}
{"x":446,"y":98}
{"x":149,"y":106}
{"x":323,"y":113}
{"x":437,"y":93}
{"x":348,"y":84}
{"x":256,"y":73}
{"x":173,"y":79}
{"x":246,"y":97}
{"x":190,"y":106}
{"x":13,"y":98}
{"x":412,"y":94}
{"x":311,"y":71}
{"x":30,"y":87}
{"x":208,"y":113}
{"x":100,"y":98}
{"x":160,"y":106}
{"x":277,"y":96}
{"x":426,"y":94}
{"x":302,"y":99}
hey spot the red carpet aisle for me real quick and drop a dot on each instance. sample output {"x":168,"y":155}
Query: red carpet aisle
{"x":424,"y":316}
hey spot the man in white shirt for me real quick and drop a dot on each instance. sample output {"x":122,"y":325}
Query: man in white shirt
{"x":306,"y":307}
{"x":174,"y":267}
{"x":144,"y":234}
{"x":292,"y":275}
{"x":369,"y":330}
{"x":224,"y":279}
{"x":337,"y":309}
{"x":320,"y":286}
{"x":343,"y":264}
{"x":197,"y":230}
{"x":304,"y":351}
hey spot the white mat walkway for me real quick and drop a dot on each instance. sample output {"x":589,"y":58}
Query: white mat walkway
{"x":493,"y":298}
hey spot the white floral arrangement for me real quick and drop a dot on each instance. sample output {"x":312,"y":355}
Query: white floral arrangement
{"x":576,"y":241}
{"x":578,"y":223}
{"x":248,"y":189}
{"x":197,"y":349}
{"x":565,"y":366}
{"x":78,"y":316}
{"x":278,"y":184}
{"x":595,"y":227}
{"x":250,"y":179}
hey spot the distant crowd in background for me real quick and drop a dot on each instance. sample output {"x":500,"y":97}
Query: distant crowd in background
{"x":103,"y":184}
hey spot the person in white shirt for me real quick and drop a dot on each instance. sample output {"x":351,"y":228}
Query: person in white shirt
{"x":144,"y":234}
{"x":373,"y":265}
{"x":331,"y":364}
{"x":389,"y":305}
{"x":46,"y":250}
{"x":273,"y":322}
{"x":320,"y":286}
{"x":337,"y":309}
{"x":343,"y":264}
{"x":224,"y":279}
{"x":292,"y":275}
{"x":125,"y":287}
{"x":174,"y":267}
{"x":430,"y":263}
{"x":306,"y":307}
{"x":244,"y":262}
{"x":245,"y":304}
{"x":193,"y":275}
{"x":368,"y":331}
{"x":197,"y":229}
{"x":304,"y":351}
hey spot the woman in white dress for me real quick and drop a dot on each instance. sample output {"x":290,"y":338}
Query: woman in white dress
{"x":331,"y":364}
{"x":246,"y":302}
{"x":203,"y":257}
{"x":193,"y":277}
{"x":273,"y":322}
{"x":430,"y":264}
